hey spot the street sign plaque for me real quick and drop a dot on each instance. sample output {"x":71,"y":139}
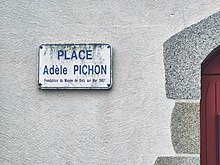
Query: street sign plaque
{"x":75,"y":66}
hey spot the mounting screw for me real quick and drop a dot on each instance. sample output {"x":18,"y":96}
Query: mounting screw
{"x":41,"y":47}
{"x":40,"y":84}
{"x":108,"y":46}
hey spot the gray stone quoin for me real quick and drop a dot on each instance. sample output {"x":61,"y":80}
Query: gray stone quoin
{"x":185,"y":126}
{"x":183,"y":55}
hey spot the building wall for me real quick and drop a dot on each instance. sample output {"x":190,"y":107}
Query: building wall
{"x":129,"y":124}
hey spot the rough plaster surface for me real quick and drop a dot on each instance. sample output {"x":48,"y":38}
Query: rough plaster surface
{"x":185,"y":127}
{"x":129,"y":124}
{"x":184,"y":53}
{"x":178,"y":160}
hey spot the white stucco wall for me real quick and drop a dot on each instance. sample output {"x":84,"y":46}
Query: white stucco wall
{"x":129,"y":124}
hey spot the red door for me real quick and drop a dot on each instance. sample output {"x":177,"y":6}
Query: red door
{"x":209,"y":109}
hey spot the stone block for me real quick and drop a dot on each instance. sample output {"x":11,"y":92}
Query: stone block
{"x":185,"y":127}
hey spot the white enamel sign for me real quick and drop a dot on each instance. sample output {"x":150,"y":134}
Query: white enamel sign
{"x":75,"y":66}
